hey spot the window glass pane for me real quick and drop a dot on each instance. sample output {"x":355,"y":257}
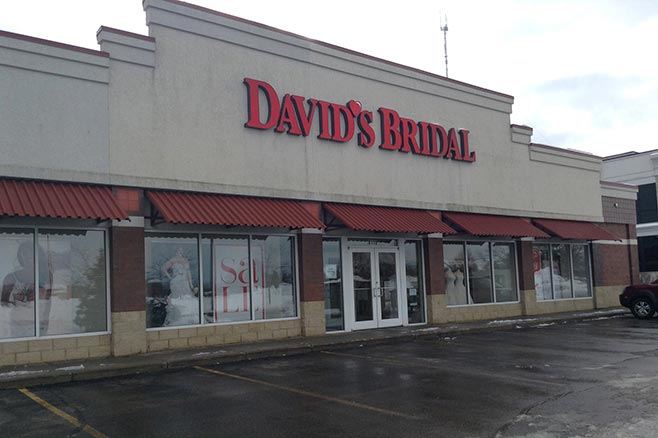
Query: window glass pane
{"x":561,"y":271}
{"x":230,"y":271}
{"x":479,"y":272}
{"x":17,"y":273}
{"x":581,"y":277}
{"x":172,"y":279}
{"x":647,"y":248}
{"x":647,"y":204}
{"x":415,"y":293}
{"x":274,"y":278}
{"x":208,"y":281}
{"x":387,"y":268}
{"x":333,"y":281}
{"x":541,"y":264}
{"x":363,"y":284}
{"x":74,"y":297}
{"x":453,"y":267}
{"x":504,"y":272}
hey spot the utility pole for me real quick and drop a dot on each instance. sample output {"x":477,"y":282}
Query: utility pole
{"x":444,"y":28}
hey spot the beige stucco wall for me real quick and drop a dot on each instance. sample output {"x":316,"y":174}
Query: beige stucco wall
{"x":173,"y":116}
{"x":54,"y":112}
{"x":194,"y":137}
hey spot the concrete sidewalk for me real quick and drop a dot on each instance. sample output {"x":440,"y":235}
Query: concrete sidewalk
{"x":49,"y":373}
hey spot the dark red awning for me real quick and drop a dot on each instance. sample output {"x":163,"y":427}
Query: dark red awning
{"x":30,"y":198}
{"x":387,"y":219}
{"x":574,"y":230}
{"x":489,"y":225}
{"x":213,"y":209}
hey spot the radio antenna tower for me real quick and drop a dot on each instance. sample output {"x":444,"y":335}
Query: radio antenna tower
{"x":444,"y":28}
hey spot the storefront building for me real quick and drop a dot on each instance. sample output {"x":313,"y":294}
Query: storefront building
{"x":221,"y":181}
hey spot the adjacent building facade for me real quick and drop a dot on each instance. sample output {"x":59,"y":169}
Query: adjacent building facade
{"x":640,"y":169}
{"x":221,"y":181}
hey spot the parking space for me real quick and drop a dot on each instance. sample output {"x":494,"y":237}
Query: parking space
{"x":566,"y":379}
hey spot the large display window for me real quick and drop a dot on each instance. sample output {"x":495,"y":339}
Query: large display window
{"x":54,"y":282}
{"x":243,"y":278}
{"x":479,"y":272}
{"x":562,"y":271}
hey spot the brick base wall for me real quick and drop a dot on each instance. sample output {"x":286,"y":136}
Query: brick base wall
{"x":608,"y":296}
{"x":434,"y":308}
{"x":193,"y":337}
{"x":441,"y":313}
{"x":54,"y":350}
{"x":128,"y":333}
{"x":313,"y":319}
{"x":534,"y":307}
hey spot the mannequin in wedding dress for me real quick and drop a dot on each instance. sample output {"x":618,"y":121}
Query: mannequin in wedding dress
{"x":183,"y":305}
{"x":460,"y":287}
{"x":451,"y":299}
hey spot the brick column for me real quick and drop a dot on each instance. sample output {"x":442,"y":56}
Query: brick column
{"x":434,"y":278}
{"x":527,"y":291}
{"x":634,"y":257}
{"x":128,"y":288}
{"x":614,"y":265}
{"x":311,"y":283}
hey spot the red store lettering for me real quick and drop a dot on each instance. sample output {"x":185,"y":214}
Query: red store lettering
{"x":294,"y":115}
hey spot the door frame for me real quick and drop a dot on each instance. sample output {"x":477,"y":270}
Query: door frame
{"x":348,"y":289}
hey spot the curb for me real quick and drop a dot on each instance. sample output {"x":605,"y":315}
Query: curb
{"x":75,"y":371}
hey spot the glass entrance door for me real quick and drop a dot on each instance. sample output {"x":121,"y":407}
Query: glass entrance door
{"x":375,"y":286}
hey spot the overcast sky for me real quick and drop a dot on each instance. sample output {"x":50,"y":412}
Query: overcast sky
{"x":584,"y":73}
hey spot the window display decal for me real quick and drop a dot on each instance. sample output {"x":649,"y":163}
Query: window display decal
{"x":294,"y":115}
{"x":232,"y":272}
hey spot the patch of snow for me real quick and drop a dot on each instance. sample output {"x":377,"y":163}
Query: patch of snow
{"x":641,"y":383}
{"x":428,"y":329}
{"x":510,"y":321}
{"x":597,"y":368}
{"x":607,"y":317}
{"x":71,"y":368}
{"x":546,"y":324}
{"x":205,"y":353}
{"x":19,"y":373}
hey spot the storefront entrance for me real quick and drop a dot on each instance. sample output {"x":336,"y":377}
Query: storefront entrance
{"x":375,"y":292}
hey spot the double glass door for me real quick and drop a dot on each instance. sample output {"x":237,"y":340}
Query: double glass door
{"x":375,"y":286}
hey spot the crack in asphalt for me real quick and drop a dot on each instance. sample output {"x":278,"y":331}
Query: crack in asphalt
{"x":528,"y":409}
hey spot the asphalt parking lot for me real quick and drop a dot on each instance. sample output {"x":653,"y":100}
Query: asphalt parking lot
{"x":579,"y":379}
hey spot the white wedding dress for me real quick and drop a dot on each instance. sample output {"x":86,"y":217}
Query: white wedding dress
{"x":183,"y":308}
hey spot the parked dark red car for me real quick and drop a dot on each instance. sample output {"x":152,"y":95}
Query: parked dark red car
{"x":642,"y":299}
